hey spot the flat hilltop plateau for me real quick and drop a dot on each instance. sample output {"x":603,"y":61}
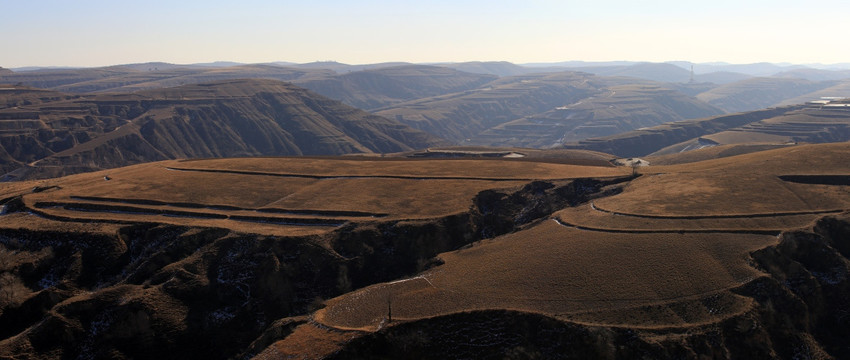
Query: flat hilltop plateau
{"x":444,"y":253}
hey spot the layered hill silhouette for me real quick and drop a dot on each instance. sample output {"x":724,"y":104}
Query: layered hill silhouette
{"x":376,"y":88}
{"x":540,"y":109}
{"x":54,"y":134}
{"x":134,"y":77}
{"x":619,"y":109}
{"x":760,"y":93}
{"x":492,"y":103}
{"x":775,"y":126}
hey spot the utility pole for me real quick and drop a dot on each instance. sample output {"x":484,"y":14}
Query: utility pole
{"x":389,"y":309}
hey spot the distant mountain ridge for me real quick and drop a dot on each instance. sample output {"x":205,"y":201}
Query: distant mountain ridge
{"x":376,"y":88}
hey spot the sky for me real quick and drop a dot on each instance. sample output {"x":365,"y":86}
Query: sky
{"x":98,"y":33}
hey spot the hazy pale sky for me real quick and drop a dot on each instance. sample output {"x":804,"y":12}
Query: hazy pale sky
{"x":96,"y":33}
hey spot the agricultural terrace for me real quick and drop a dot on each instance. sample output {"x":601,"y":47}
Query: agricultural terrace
{"x":577,"y":275}
{"x":667,"y":251}
{"x":283,"y":196}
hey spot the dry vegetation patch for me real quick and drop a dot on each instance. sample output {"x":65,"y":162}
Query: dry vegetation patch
{"x":743,"y":184}
{"x":566,"y":272}
{"x":284,"y":196}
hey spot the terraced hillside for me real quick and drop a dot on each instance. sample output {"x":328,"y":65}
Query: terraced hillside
{"x":622,"y":108}
{"x":66,"y":134}
{"x":741,"y":256}
{"x":135,"y":77}
{"x":759,"y":93}
{"x":543,"y":109}
{"x":769,"y":127}
{"x":366,"y":87}
{"x":207,"y":254}
{"x":385,"y":86}
{"x":685,"y":253}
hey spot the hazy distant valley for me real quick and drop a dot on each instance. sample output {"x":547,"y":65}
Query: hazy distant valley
{"x":60,"y":118}
{"x":396,"y":210}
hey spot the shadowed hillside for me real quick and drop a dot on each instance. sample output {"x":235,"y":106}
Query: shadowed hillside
{"x":540,"y":109}
{"x":500,"y":68}
{"x":463,"y":115}
{"x":643,"y":142}
{"x":622,"y":108}
{"x":134,"y":77}
{"x":229,"y":118}
{"x":759,"y":93}
{"x":371,"y":89}
{"x":839,"y":89}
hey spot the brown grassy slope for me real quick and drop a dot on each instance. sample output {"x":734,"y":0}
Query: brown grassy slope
{"x":713,"y":152}
{"x":840,"y":88}
{"x":564,"y":156}
{"x":810,"y":124}
{"x":595,"y":216}
{"x":563,"y":272}
{"x":12,"y":96}
{"x":162,"y":281}
{"x":50,"y":78}
{"x":364,"y":87}
{"x":759,"y":93}
{"x":620,"y":109}
{"x":218,"y":192}
{"x":205,"y":75}
{"x":130,"y":78}
{"x":643,"y":142}
{"x":741,"y":184}
{"x":462,"y":115}
{"x":365,"y":166}
{"x":377,"y":88}
{"x":684,"y":237}
{"x":229,"y":118}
